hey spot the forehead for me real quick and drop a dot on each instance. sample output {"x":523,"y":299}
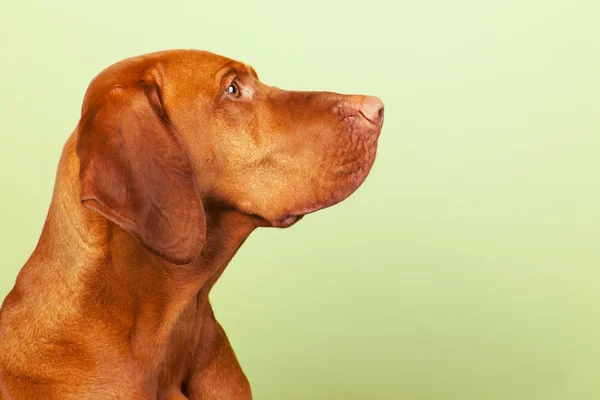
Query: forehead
{"x":203,"y":64}
{"x":177,"y":71}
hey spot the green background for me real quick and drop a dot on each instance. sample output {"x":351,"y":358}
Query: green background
{"x":468,"y":264}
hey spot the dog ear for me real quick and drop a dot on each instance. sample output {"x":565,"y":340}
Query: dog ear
{"x":135,"y":172}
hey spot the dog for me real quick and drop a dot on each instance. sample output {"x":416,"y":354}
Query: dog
{"x":177,"y":157}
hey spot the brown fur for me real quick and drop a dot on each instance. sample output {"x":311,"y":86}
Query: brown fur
{"x":161,"y":182}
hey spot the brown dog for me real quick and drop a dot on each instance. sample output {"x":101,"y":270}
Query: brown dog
{"x":177,"y":158}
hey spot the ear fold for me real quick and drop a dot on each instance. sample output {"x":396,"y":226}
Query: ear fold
{"x":135,"y":172}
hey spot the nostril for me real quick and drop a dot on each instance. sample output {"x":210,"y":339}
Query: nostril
{"x":372,"y":109}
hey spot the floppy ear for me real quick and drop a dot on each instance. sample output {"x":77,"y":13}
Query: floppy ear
{"x":135,"y":172}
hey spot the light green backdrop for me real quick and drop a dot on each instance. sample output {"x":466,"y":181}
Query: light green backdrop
{"x":468,"y":264}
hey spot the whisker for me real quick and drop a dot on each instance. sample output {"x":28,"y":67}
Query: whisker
{"x":323,"y":174}
{"x":313,"y":171}
{"x":337,"y":180}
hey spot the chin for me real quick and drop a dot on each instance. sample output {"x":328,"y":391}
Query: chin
{"x":287,"y":221}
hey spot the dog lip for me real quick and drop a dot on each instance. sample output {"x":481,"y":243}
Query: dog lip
{"x":287,"y":221}
{"x":291,"y":218}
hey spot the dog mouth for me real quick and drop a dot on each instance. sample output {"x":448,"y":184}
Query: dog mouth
{"x":295,"y":216}
{"x":331,"y":183}
{"x":345,"y":165}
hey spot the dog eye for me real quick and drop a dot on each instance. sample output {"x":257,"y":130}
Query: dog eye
{"x":233,"y":90}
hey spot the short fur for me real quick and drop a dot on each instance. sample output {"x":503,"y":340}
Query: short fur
{"x":167,"y":173}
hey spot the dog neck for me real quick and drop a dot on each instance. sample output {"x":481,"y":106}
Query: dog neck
{"x":93,"y":263}
{"x":98,"y":238}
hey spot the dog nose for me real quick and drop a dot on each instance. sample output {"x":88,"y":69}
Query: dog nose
{"x":372,"y":109}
